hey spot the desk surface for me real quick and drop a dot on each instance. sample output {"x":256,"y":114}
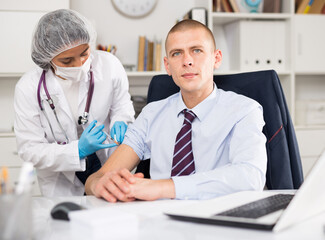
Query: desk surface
{"x":153,"y":224}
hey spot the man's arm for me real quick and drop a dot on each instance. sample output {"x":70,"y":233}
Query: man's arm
{"x":150,"y":190}
{"x":112,"y":180}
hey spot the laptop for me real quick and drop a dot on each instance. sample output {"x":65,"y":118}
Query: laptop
{"x":267,"y":210}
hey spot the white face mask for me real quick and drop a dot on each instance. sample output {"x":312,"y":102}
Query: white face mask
{"x":73,"y":73}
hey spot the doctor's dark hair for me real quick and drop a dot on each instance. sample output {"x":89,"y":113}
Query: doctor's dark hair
{"x":57,"y":32}
{"x":189,"y":24}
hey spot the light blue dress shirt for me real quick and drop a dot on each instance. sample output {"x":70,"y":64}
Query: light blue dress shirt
{"x":227,"y":140}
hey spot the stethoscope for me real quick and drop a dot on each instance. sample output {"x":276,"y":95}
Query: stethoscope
{"x":81,"y":120}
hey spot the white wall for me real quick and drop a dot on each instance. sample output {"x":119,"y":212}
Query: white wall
{"x":114,"y":28}
{"x":7,"y":88}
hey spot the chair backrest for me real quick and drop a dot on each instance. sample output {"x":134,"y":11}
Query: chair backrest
{"x":284,"y":170}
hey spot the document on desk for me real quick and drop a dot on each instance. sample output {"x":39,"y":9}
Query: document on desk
{"x":103,"y":223}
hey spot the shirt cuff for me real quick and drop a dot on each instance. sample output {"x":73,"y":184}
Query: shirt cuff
{"x":185,"y":188}
{"x":132,"y":141}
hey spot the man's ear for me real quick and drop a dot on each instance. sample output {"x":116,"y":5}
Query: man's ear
{"x":217,"y":58}
{"x":167,"y":65}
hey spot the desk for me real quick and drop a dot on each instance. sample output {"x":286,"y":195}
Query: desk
{"x":153,"y":224}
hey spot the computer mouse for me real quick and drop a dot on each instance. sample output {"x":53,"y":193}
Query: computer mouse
{"x":61,"y":210}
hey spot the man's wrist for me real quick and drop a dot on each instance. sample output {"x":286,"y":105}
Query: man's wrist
{"x":91,"y":182}
{"x":167,"y":188}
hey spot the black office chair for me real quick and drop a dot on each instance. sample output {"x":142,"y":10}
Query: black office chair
{"x":284,"y":170}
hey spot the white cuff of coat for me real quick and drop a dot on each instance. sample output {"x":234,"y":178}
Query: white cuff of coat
{"x":185,"y":188}
{"x":80,"y":163}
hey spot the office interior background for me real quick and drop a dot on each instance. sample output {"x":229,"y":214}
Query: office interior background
{"x":290,"y":43}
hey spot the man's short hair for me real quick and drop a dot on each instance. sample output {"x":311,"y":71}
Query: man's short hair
{"x":190,"y":24}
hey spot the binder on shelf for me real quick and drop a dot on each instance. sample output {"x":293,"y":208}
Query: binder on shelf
{"x":145,"y":55}
{"x":198,"y":14}
{"x":280,"y":50}
{"x":149,"y":55}
{"x":302,"y":6}
{"x":216,"y":6}
{"x":272,"y":6}
{"x":234,"y":5}
{"x":157,"y":56}
{"x":141,"y":53}
{"x":308,"y":6}
{"x":226,"y":7}
{"x":316,"y":7}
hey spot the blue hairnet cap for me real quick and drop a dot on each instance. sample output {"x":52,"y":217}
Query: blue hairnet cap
{"x":57,"y":32}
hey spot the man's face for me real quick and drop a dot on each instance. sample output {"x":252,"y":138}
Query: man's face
{"x":191,"y":60}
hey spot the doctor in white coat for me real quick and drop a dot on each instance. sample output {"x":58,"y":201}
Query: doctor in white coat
{"x":63,"y":106}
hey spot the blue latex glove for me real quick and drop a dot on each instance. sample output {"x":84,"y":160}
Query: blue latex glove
{"x":119,"y":129}
{"x":91,"y":140}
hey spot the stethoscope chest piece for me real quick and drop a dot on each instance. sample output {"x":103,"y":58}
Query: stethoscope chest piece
{"x":83,"y":119}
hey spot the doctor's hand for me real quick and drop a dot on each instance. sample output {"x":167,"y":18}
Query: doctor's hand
{"x":91,"y":140}
{"x":119,"y":128}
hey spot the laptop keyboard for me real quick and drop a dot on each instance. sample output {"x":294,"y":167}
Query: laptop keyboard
{"x":260,"y":207}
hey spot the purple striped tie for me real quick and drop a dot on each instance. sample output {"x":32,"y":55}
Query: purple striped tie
{"x":183,"y":160}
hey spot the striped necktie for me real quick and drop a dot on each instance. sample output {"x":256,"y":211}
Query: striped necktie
{"x":183,"y":159}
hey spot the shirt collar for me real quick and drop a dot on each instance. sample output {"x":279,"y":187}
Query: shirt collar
{"x":203,"y":108}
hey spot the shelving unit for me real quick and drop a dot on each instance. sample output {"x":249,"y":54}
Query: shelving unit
{"x":304,"y":76}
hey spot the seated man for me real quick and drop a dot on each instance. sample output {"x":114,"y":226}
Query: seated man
{"x":203,"y":142}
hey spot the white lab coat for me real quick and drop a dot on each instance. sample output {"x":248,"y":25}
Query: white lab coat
{"x":56,"y":164}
